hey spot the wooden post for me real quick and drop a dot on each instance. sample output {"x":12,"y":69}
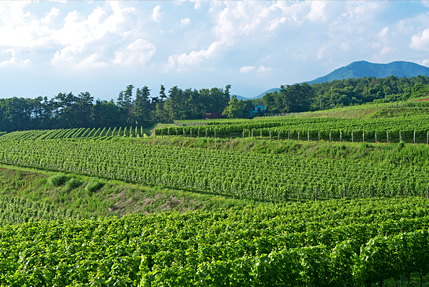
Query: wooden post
{"x":375,"y":136}
{"x":183,"y":129}
{"x":278,"y":135}
{"x":286,"y":194}
{"x":162,"y":133}
{"x":215,"y":133}
{"x":341,"y":136}
{"x":270,"y":133}
{"x":168,"y":131}
{"x":308,"y":135}
{"x":190,"y":131}
{"x":363,"y":136}
{"x":243,"y":133}
{"x":318,"y":136}
{"x":372,"y":191}
{"x":414,"y":138}
{"x":288,"y":134}
{"x":261,"y":133}
{"x":330,"y":136}
{"x":206,"y":132}
{"x":428,"y":194}
{"x":400,"y":136}
{"x":316,"y":194}
{"x":198,"y":132}
{"x":352,"y":136}
{"x":176,"y":132}
{"x":387,"y":136}
{"x":344,"y":191}
{"x":299,"y":131}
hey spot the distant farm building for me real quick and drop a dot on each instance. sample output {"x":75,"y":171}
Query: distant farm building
{"x":212,"y":116}
{"x":257,"y":111}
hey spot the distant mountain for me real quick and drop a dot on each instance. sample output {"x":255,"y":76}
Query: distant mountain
{"x":242,"y":98}
{"x":362,"y":69}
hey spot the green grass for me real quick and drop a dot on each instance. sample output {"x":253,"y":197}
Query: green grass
{"x":394,"y":153}
{"x":103,"y":197}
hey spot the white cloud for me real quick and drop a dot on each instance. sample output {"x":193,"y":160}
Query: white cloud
{"x":420,"y":41}
{"x":263,"y":69}
{"x":50,"y":16}
{"x":318,"y":11}
{"x":182,"y":61}
{"x":247,"y":69}
{"x":185,"y":22}
{"x":11,"y":59}
{"x":156,"y":13}
{"x":383,"y":33}
{"x":425,"y":63}
{"x":385,"y":50}
{"x":92,"y":62}
{"x":140,"y":52}
{"x":274,"y":24}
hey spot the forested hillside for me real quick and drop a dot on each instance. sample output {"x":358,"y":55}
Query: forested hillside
{"x":142,"y":107}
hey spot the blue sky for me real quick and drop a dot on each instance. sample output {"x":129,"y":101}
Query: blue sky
{"x":48,"y":47}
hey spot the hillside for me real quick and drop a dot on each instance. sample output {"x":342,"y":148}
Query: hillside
{"x":360,"y":69}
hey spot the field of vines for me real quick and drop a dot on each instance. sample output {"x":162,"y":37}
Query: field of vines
{"x":334,"y":243}
{"x":411,"y":129}
{"x":81,"y":133}
{"x":266,"y":177}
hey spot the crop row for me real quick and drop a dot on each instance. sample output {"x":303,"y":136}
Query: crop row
{"x":74,"y":133}
{"x":333,"y":243}
{"x":259,"y":176}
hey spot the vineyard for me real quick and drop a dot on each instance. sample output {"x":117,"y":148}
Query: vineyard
{"x":348,"y":214}
{"x":335,"y":243}
{"x":411,"y":129}
{"x":266,"y":177}
{"x":81,"y":133}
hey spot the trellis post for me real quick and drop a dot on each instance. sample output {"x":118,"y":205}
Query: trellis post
{"x":308,"y":135}
{"x":375,"y":136}
{"x":352,"y":136}
{"x":318,"y":136}
{"x":270,"y":133}
{"x":299,"y":131}
{"x":286,"y":194}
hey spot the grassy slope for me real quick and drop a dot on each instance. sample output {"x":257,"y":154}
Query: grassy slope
{"x":113,"y":198}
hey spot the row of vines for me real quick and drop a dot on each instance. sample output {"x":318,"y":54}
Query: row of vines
{"x":335,"y":243}
{"x":265,"y":177}
{"x":80,"y":133}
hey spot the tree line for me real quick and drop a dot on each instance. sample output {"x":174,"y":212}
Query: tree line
{"x":338,"y":93}
{"x":137,"y":106}
{"x":132,"y":107}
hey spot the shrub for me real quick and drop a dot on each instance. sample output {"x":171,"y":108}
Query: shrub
{"x":57,"y":180}
{"x":72,"y":184}
{"x":93,"y":185}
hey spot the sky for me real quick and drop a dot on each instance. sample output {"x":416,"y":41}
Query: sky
{"x":48,"y":47}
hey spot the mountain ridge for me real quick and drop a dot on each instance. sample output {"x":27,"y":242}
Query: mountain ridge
{"x":360,"y":69}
